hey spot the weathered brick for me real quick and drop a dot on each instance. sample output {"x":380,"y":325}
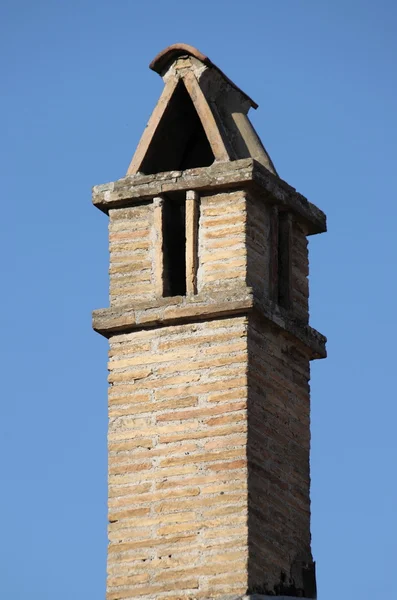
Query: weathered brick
{"x":152,"y":589}
{"x":154,"y":406}
{"x":202,"y":434}
{"x":200,"y":458}
{"x":199,"y":503}
{"x":202,"y":479}
{"x":135,"y":490}
{"x":202,"y":412}
{"x":134,"y":498}
{"x":129,"y":580}
{"x":150,"y":475}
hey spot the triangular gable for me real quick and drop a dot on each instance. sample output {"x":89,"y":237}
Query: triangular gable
{"x":181,"y":133}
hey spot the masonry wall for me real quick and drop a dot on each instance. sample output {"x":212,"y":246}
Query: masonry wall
{"x":300,"y":271}
{"x":259,"y":246}
{"x":234,"y":249}
{"x":262,"y":259}
{"x":278,"y":454}
{"x":222,"y":250}
{"x":177,"y":462}
{"x":131,"y":254}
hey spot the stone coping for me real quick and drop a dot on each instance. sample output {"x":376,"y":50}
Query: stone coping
{"x":261,"y":597}
{"x":188,"y":309}
{"x":245,"y":173}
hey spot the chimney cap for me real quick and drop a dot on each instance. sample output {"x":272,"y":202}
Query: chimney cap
{"x":171,"y":53}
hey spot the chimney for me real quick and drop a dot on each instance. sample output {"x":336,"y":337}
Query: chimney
{"x":209,"y":404}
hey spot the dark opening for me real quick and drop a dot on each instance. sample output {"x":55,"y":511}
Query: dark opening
{"x":174,"y":245}
{"x":180,"y":141}
{"x":284,"y":260}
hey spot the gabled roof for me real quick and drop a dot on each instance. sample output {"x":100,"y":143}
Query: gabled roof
{"x":200,"y":118}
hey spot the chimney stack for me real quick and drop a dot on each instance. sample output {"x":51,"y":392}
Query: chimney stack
{"x":210,"y":347}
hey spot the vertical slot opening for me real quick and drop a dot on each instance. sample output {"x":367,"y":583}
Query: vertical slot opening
{"x":174,"y":245}
{"x":284,"y":265}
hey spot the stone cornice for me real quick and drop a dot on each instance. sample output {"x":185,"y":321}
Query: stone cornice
{"x":246,"y":173}
{"x":187,"y":309}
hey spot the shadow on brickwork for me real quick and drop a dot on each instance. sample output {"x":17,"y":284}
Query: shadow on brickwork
{"x":279,"y":555}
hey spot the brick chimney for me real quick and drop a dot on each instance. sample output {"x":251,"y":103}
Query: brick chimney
{"x":209,"y":405}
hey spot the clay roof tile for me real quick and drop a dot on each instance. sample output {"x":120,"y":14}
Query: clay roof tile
{"x":171,"y":53}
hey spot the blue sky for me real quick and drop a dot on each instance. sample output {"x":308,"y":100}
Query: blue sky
{"x":76,"y":95}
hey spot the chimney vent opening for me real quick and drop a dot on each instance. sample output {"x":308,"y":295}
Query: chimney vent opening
{"x":174,"y":245}
{"x":179,"y":141}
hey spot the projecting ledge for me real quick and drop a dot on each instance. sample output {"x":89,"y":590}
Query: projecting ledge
{"x":261,"y":597}
{"x":188,"y":309}
{"x":246,"y":173}
{"x":171,"y":310}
